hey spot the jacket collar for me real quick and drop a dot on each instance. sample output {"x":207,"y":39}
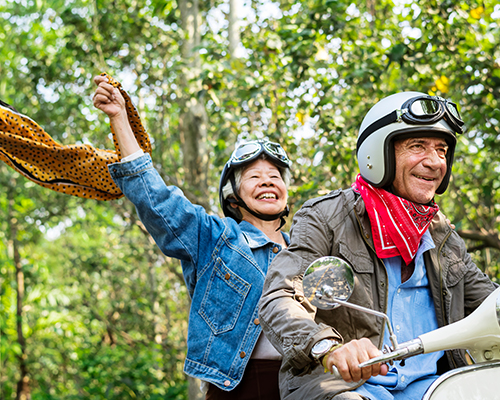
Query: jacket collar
{"x":362,"y":215}
{"x":255,"y":237}
{"x":439,"y":228}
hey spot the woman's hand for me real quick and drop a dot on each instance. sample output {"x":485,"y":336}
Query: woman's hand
{"x":107,"y":98}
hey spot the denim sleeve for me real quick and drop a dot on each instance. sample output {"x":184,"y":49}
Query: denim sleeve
{"x":180,"y":229}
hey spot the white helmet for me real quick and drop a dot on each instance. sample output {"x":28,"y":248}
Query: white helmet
{"x":399,"y":116}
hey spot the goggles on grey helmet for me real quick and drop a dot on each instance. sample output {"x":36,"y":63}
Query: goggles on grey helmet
{"x":251,"y":150}
{"x":245,"y":154}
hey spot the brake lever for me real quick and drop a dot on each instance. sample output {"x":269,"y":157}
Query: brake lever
{"x":405,"y":350}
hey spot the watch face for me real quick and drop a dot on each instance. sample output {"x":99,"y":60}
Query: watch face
{"x":321,"y":347}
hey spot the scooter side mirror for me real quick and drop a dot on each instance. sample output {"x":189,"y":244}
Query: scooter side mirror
{"x":329,"y":282}
{"x":328,"y":279}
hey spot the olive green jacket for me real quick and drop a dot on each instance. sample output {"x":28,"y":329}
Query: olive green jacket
{"x":337,"y":224}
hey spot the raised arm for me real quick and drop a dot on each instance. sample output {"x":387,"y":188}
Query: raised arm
{"x":108,"y":99}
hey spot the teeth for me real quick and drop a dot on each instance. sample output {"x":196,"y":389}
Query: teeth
{"x":267,"y":196}
{"x":425,"y":179}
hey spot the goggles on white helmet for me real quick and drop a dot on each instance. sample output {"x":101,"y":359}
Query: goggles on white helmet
{"x":420,"y":110}
{"x":243,"y":155}
{"x":399,"y":116}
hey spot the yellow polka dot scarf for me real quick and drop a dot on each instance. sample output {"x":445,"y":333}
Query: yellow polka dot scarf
{"x":79,"y":170}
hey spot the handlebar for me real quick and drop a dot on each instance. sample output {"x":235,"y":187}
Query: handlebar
{"x":407,"y":349}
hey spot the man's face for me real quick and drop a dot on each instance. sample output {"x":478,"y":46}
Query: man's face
{"x":420,"y":168}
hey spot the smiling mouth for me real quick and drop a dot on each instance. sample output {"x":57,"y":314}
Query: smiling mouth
{"x":267,"y":196}
{"x":425,"y":179}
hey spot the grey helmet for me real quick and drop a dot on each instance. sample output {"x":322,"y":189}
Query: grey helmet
{"x":400,"y":116}
{"x":243,"y":155}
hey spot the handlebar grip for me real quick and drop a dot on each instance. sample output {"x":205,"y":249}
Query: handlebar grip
{"x":335,"y":372}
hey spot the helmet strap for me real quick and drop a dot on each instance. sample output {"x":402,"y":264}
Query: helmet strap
{"x":265,"y":217}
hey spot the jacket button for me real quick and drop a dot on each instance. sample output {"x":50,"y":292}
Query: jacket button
{"x":243,"y":354}
{"x":275,"y":250}
{"x":227,"y":383}
{"x":227,"y":276}
{"x":256,"y":321}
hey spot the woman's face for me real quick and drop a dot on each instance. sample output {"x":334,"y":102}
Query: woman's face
{"x":262,"y":188}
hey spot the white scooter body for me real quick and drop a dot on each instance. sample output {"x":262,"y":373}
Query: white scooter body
{"x":473,"y":382}
{"x":479,"y":333}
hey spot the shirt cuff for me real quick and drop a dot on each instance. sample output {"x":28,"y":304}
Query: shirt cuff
{"x":133,"y":156}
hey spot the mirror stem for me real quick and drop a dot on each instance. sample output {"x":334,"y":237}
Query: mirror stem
{"x":392,"y":336}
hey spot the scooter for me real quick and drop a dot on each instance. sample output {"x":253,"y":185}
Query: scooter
{"x":329,"y":282}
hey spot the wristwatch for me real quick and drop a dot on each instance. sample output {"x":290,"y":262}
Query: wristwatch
{"x":322,"y":347}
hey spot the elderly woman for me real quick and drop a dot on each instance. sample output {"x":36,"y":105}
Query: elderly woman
{"x":224,"y":260}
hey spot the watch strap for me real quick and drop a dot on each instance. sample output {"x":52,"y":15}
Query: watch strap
{"x":325,"y":356}
{"x":319,"y":354}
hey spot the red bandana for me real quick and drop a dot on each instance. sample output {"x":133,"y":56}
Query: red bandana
{"x":397,"y":224}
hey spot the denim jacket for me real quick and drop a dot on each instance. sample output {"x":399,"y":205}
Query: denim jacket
{"x":224,"y":265}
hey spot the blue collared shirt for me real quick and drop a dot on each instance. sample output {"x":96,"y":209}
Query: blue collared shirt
{"x":411,"y":311}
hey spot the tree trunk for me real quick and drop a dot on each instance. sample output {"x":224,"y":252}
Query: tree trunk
{"x":194,"y":384}
{"x":193,"y":125}
{"x":193,"y":128}
{"x":23,"y":388}
{"x":233,"y":28}
{"x":194,"y":392}
{"x":486,"y":239}
{"x":194,"y":118}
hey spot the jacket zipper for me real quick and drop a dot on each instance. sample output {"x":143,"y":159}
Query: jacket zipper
{"x":382,"y":335}
{"x":443,"y":311}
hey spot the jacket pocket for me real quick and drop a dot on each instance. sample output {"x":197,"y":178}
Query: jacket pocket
{"x":358,"y":258}
{"x":223,"y":299}
{"x":455,"y":272}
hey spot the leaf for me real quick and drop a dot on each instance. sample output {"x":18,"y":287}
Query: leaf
{"x":476,"y":13}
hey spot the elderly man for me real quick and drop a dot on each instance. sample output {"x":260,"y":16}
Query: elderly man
{"x":406,"y":259}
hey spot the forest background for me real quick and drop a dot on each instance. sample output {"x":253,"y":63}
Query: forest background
{"x":90,"y":309}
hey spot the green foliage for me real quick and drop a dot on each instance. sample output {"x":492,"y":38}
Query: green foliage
{"x":104,"y":313}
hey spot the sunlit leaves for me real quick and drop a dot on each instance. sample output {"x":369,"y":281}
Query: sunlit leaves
{"x":98,"y":293}
{"x":476,"y":13}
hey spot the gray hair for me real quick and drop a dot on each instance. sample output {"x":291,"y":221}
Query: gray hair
{"x":227,"y":190}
